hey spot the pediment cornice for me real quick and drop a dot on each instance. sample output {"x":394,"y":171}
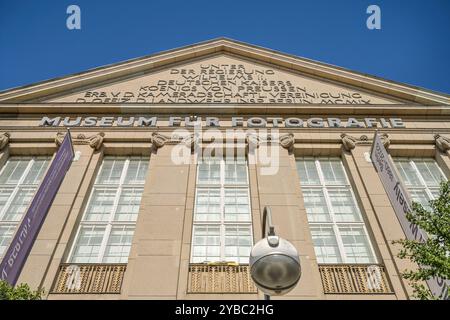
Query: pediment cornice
{"x":38,"y":91}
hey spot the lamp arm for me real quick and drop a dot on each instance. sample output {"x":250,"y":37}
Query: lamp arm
{"x":267,"y":220}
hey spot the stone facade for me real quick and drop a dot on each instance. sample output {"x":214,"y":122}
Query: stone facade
{"x":158,"y":264}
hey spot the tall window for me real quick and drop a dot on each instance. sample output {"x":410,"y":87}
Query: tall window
{"x":421,"y":177}
{"x":337,"y":227}
{"x":19,"y":179}
{"x":107,"y":226}
{"x":222,"y":228}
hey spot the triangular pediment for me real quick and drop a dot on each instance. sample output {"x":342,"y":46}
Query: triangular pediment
{"x":224,"y":78}
{"x":222,"y":71}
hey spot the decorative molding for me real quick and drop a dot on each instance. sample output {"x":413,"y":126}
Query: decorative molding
{"x":349,"y":142}
{"x":189,"y":141}
{"x":159,"y":140}
{"x":442,"y":143}
{"x":59,"y":138}
{"x":4,"y":140}
{"x":385,"y":140}
{"x":95,"y":141}
{"x":253,"y":141}
{"x":287,"y":141}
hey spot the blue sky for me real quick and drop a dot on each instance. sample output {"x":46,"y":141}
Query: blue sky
{"x":413,"y":45}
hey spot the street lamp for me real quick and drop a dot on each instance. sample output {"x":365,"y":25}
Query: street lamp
{"x":274,"y":261}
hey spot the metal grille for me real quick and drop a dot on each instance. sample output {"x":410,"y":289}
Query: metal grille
{"x":358,"y":279}
{"x":220,"y":278}
{"x":89,"y":278}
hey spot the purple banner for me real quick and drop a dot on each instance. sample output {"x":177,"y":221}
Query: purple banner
{"x":26,"y":234}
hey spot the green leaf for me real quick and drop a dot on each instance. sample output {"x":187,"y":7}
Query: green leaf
{"x":19,"y":292}
{"x":433,"y":255}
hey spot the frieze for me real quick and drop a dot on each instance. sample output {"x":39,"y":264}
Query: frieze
{"x":210,"y":121}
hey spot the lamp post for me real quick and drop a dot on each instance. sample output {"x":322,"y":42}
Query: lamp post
{"x":274,"y":261}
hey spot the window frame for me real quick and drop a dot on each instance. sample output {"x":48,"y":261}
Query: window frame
{"x":333,"y":223}
{"x":20,"y":186}
{"x":222,"y":223}
{"x":424,"y":186}
{"x":110,"y":223}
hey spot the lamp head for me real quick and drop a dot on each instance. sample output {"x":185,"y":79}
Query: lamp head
{"x":275,"y":265}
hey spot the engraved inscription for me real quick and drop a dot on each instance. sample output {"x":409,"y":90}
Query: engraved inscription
{"x":224,"y":83}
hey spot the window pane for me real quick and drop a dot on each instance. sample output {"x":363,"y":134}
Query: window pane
{"x":129,"y":203}
{"x":37,"y":171}
{"x":5,"y":193}
{"x":100,"y":205}
{"x":333,"y":172}
{"x":435,"y":193}
{"x":407,"y":172}
{"x":6,"y":234}
{"x":209,"y":172}
{"x":119,"y":245}
{"x":423,"y":189}
{"x":237,"y":207}
{"x":325,"y":245}
{"x":315,"y":205}
{"x":13,"y":170}
{"x":420,"y":196}
{"x":19,"y":204}
{"x":430,"y":172}
{"x":111,"y":171}
{"x":308,"y":172}
{"x":344,"y":207}
{"x":235,"y":172}
{"x":87,"y":247}
{"x":207,"y":206}
{"x":238,"y":243}
{"x":206,"y":244}
{"x":137,"y":170}
{"x":356,"y":245}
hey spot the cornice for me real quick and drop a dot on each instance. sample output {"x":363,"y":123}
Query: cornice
{"x":231,"y":109}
